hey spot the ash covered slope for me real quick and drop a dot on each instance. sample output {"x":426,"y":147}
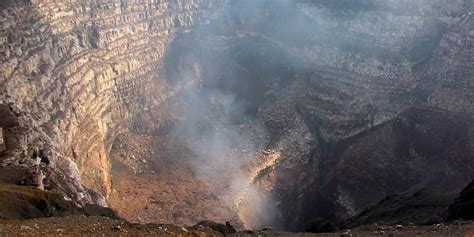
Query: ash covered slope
{"x":77,"y":73}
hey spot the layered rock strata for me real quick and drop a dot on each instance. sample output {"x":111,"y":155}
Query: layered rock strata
{"x":79,"y":73}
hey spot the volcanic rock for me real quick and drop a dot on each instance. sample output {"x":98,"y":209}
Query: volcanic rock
{"x":463,"y":206}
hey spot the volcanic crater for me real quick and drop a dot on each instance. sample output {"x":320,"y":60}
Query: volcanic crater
{"x":294,"y":114}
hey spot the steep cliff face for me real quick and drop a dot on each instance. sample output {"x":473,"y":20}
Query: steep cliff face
{"x":79,"y":73}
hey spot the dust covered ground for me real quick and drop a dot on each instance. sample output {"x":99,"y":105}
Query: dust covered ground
{"x":88,"y":226}
{"x":155,"y":181}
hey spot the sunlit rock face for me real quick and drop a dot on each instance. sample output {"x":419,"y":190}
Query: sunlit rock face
{"x":80,"y":72}
{"x":359,"y":99}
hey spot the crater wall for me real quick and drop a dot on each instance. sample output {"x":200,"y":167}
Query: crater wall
{"x":77,"y":73}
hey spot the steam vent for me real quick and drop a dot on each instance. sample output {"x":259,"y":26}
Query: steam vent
{"x":237,"y":117}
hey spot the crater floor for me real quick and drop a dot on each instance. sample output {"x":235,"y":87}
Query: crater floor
{"x":155,"y":180}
